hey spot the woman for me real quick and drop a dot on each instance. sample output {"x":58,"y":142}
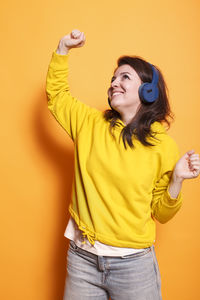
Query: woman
{"x":127,"y":174}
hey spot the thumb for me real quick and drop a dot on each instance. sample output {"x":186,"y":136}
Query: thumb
{"x":78,"y":40}
{"x":76,"y":33}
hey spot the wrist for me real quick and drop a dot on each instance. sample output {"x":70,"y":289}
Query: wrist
{"x":63,"y":50}
{"x":176,"y":179}
{"x":175,"y":186}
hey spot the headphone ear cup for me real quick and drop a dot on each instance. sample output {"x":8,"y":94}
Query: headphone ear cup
{"x":148,"y":92}
{"x":141,"y":93}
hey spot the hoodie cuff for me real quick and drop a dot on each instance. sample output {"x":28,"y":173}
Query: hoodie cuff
{"x":173,"y":201}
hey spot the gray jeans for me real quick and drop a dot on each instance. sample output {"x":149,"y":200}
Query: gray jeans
{"x":131,"y":277}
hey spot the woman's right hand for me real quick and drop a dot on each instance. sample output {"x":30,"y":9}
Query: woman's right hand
{"x":75,"y":39}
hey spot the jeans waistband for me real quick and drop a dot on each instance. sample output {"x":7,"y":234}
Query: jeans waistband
{"x":85,"y":252}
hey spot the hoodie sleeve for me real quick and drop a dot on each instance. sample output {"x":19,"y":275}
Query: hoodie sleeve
{"x":68,"y":111}
{"x":163,"y":206}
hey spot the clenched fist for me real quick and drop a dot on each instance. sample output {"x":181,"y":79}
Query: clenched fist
{"x":188,"y":166}
{"x":75,"y":39}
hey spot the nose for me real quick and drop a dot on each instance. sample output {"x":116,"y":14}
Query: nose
{"x":115,"y":82}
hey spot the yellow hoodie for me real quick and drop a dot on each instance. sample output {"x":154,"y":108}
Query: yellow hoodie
{"x":117,"y":192}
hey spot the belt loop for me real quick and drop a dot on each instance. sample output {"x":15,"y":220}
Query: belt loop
{"x":73,"y":245}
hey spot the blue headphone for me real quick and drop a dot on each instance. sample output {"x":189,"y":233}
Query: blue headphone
{"x":148,"y":91}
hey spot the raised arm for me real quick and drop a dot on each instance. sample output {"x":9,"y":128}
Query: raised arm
{"x":68,"y":111}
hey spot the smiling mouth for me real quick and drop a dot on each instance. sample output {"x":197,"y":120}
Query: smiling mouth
{"x":116,"y":93}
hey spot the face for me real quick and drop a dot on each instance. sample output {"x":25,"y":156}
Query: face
{"x":123,"y":91}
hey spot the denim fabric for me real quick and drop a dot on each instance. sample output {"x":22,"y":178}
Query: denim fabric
{"x":131,"y":277}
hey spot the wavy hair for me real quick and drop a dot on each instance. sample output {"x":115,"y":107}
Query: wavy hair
{"x":148,"y":113}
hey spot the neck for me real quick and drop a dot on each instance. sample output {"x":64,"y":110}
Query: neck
{"x":127,"y":117}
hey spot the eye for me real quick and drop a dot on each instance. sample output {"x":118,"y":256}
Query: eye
{"x":112,"y":79}
{"x":125,"y":76}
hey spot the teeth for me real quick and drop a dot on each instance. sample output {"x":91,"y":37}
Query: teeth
{"x":116,"y":93}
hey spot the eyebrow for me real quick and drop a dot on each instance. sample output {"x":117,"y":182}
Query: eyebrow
{"x":122,"y":74}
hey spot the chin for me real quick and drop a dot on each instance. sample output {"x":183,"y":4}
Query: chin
{"x":116,"y":104}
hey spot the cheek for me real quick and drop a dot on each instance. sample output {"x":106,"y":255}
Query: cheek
{"x":135,"y":89}
{"x":133,"y":96}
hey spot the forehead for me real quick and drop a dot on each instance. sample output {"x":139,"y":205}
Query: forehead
{"x":124,"y":68}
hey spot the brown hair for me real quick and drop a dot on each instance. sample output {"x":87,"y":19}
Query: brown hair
{"x":148,"y":113}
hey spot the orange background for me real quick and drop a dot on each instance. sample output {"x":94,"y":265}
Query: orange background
{"x":37,"y":155}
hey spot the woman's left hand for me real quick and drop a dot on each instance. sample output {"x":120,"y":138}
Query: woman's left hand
{"x":187,"y":167}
